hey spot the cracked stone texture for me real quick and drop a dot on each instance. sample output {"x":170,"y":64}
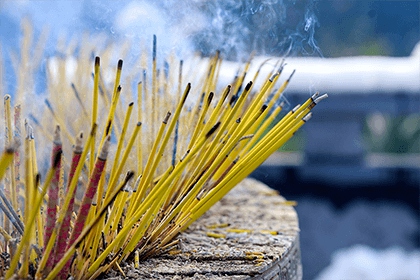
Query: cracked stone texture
{"x":255,"y":254}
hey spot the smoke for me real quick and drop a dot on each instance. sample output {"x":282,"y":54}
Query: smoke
{"x":267,"y":27}
{"x":235,"y":27}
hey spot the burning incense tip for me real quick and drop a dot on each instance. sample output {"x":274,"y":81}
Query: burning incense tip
{"x":315,"y":95}
{"x":296,"y":108}
{"x":98,"y":60}
{"x":307,"y":117}
{"x":104,"y":152}
{"x":273,"y":77}
{"x":57,"y":138}
{"x":322,"y":97}
{"x":291,"y":75}
{"x":120,"y":64}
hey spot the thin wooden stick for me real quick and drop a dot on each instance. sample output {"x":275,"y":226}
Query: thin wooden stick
{"x":8,"y":128}
{"x":94,"y":109}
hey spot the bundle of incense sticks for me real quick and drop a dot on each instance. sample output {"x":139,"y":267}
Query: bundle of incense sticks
{"x":131,"y":182}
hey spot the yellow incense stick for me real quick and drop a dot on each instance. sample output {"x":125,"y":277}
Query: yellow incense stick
{"x":27,"y":233}
{"x":184,"y":163}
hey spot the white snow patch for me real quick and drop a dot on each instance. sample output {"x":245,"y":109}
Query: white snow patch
{"x":363,"y":262}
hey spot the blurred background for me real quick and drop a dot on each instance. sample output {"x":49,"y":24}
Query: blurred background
{"x":355,"y":168}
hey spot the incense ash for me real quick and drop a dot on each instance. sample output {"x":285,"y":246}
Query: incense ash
{"x":129,"y":167}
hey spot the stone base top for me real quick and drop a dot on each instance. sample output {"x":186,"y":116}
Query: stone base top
{"x":252,"y":233}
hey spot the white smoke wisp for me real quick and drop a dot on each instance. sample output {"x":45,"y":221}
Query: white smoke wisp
{"x":236,"y":28}
{"x":172,"y":23}
{"x":268,"y":27}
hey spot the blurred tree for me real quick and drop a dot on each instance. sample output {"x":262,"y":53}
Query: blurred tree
{"x":349,"y":28}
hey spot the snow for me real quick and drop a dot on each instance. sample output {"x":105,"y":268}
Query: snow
{"x":329,"y":233}
{"x":341,"y":75}
{"x":363,"y":262}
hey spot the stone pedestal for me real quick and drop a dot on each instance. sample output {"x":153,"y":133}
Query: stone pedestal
{"x":251,"y":233}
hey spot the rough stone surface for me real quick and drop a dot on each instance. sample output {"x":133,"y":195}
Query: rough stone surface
{"x":253,"y":254}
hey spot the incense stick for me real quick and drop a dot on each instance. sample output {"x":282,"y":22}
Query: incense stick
{"x":205,"y":143}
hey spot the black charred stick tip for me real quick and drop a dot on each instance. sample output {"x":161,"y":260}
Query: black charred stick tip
{"x":264,"y":107}
{"x":233,"y":100}
{"x":93,"y":130}
{"x":213,"y":129}
{"x":210,"y":98}
{"x":108,"y":128}
{"x":57,"y":158}
{"x":130,"y":174}
{"x":168,"y":115}
{"x":248,"y":86}
{"x":187,"y":89}
{"x":291,"y":75}
{"x":37,"y":179}
{"x":120,"y":64}
{"x":97,"y":61}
